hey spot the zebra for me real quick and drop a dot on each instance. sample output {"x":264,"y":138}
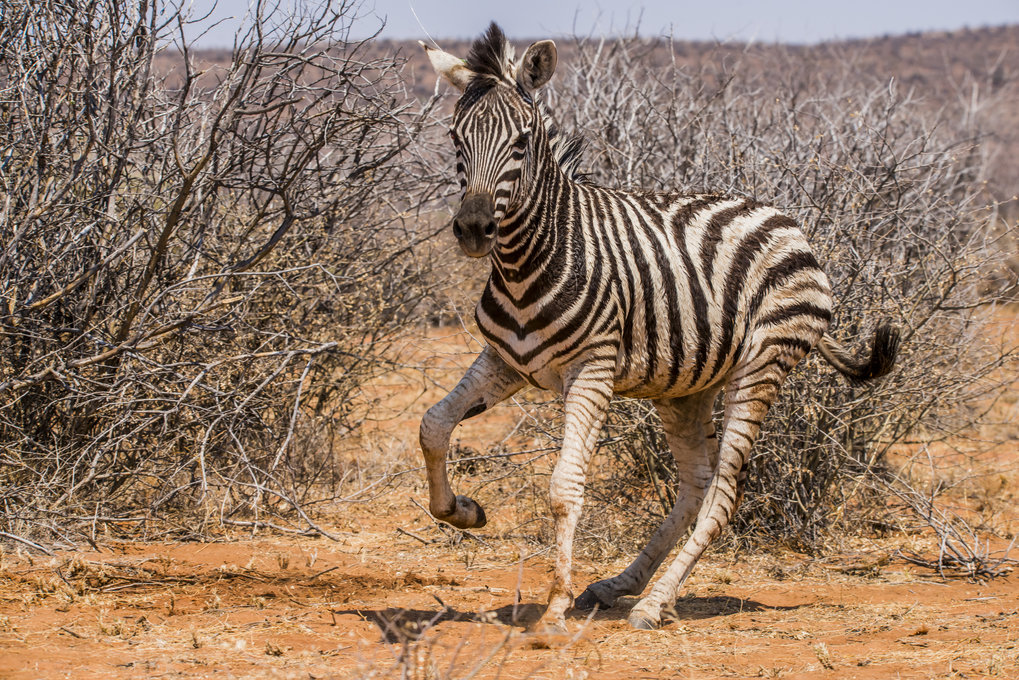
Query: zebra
{"x":597,"y":291}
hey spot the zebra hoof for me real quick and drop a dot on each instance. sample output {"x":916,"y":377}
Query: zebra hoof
{"x":588,"y":600}
{"x":554,"y":627}
{"x":468,"y":514}
{"x":550,"y":635}
{"x":642,"y":621}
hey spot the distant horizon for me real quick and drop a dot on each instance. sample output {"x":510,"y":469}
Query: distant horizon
{"x":642,"y":34}
{"x":788,"y":22}
{"x":735,"y":41}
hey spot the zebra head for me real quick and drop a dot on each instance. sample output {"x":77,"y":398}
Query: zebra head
{"x":493,"y":130}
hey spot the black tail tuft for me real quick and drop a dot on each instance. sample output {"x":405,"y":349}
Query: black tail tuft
{"x":882,"y":355}
{"x":883,"y":352}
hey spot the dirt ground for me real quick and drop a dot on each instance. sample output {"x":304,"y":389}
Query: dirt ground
{"x":397,"y":596}
{"x":393,"y":598}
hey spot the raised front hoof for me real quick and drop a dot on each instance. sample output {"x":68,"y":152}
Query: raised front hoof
{"x":466,"y":515}
{"x":588,"y":600}
{"x":643,"y":621}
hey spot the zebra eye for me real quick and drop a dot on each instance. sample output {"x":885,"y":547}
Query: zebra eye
{"x":520,"y":143}
{"x":452,"y":135}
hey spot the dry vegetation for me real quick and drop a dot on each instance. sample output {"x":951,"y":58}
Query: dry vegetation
{"x":219,"y":279}
{"x":200,"y":265}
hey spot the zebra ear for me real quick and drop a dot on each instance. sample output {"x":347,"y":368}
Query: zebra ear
{"x":537,"y":65}
{"x":453,"y":69}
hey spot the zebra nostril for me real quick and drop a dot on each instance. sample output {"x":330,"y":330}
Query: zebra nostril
{"x":490,"y":230}
{"x":457,"y":231}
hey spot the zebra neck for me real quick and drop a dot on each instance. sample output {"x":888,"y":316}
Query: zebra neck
{"x":536,"y":233}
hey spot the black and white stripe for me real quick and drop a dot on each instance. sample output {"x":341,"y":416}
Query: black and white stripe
{"x":595,"y":291}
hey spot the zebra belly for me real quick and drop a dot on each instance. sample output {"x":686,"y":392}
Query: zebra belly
{"x":638,"y":376}
{"x":643,"y":369}
{"x":676,"y":353}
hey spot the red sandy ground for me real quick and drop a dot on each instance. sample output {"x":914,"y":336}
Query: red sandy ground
{"x":397,"y":597}
{"x":378,"y":603}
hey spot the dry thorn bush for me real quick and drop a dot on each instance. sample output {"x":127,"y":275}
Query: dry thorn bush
{"x":201,"y":262}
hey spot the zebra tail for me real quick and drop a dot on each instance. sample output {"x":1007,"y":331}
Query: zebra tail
{"x":883,"y":351}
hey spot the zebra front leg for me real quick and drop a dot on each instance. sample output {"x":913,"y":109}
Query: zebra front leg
{"x":690,"y":433}
{"x":745,"y":409}
{"x":487,"y":382}
{"x":586,"y":398}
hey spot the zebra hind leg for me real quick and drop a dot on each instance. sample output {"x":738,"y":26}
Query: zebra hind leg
{"x":690,"y":433}
{"x":748,"y":395}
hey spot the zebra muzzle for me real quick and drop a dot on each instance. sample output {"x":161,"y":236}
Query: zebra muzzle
{"x":474,"y":225}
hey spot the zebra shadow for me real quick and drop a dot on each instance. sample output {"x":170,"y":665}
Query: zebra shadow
{"x":404,"y":625}
{"x":688,"y":608}
{"x":693,"y":608}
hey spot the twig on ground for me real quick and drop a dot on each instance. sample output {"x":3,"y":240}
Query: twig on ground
{"x":31,"y":544}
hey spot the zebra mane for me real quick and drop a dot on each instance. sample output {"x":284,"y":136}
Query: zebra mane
{"x":567,"y":150}
{"x":491,"y":56}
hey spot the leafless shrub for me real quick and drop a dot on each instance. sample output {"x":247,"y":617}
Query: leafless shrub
{"x":200,"y":262}
{"x":888,"y":188}
{"x":961,"y":547}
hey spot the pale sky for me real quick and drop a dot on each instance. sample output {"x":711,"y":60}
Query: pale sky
{"x":796,"y":21}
